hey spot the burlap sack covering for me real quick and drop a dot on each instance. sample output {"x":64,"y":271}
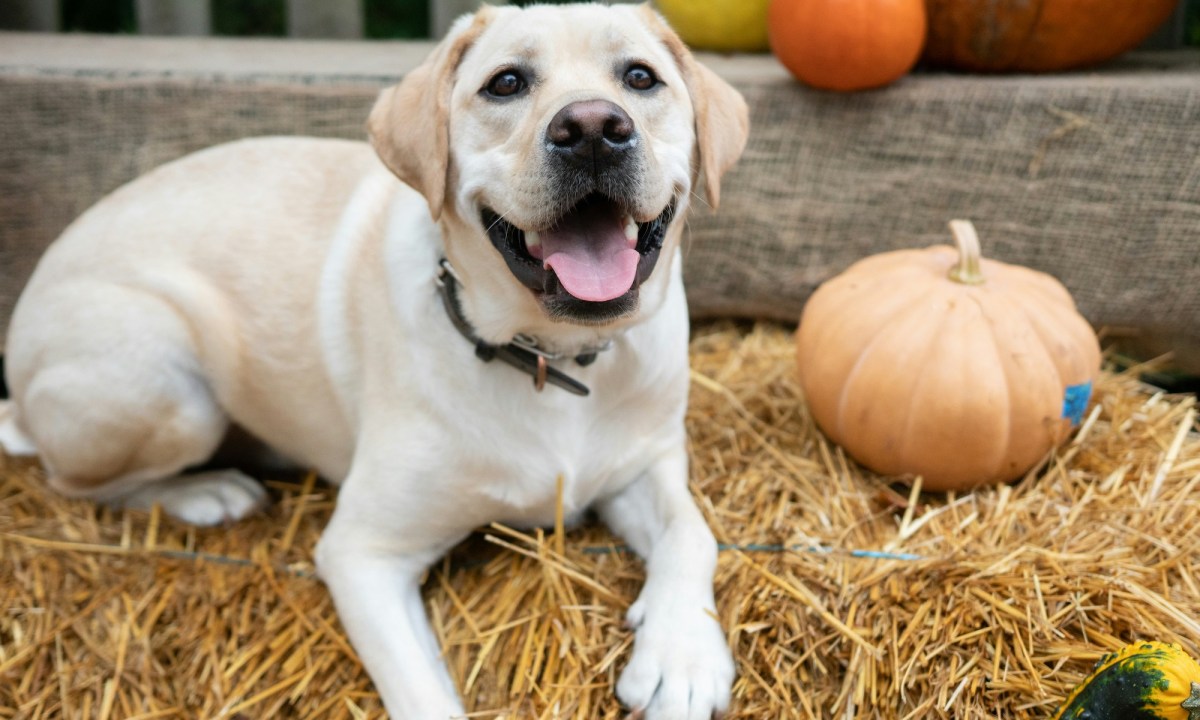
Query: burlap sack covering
{"x":1094,"y":178}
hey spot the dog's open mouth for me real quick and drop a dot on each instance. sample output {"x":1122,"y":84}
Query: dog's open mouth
{"x":596,"y":252}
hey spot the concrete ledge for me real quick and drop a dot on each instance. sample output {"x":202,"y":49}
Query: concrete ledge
{"x":1093,"y":177}
{"x":212,"y":57}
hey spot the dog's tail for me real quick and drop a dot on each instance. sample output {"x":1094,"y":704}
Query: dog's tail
{"x":13,"y":439}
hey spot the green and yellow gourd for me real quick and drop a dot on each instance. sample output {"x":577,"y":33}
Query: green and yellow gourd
{"x":1143,"y":681}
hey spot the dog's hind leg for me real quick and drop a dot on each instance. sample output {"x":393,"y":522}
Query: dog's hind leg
{"x":119,"y":406}
{"x":13,"y":439}
{"x":203,"y":498}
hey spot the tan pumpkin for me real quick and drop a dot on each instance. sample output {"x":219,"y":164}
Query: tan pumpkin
{"x":938,"y":363}
{"x":1038,"y":35}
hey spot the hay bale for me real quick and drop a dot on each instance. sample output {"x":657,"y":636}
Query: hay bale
{"x":990,"y":604}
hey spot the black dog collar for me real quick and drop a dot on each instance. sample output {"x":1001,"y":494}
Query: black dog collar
{"x":522,"y":353}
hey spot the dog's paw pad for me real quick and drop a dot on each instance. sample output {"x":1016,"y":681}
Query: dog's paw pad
{"x":205,"y":499}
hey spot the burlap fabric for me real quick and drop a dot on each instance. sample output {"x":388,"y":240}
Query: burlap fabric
{"x":1094,"y":178}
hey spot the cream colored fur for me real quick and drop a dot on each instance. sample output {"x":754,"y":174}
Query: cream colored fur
{"x":288,"y":285}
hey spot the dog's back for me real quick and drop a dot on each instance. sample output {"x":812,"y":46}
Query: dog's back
{"x":125,"y":357}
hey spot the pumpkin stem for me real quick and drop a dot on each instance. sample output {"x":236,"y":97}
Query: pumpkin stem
{"x":969,"y":270}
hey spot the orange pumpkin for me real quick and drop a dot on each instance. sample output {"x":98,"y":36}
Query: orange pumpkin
{"x":1038,"y":35}
{"x":940,"y":364}
{"x":847,"y":44}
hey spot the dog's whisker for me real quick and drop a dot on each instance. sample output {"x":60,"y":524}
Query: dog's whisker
{"x":500,"y":218}
{"x":700,"y":198}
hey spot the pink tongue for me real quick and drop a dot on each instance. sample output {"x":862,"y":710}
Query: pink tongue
{"x":588,"y":252}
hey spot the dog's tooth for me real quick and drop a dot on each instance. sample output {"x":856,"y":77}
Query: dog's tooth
{"x":631,"y":229}
{"x":532,"y":240}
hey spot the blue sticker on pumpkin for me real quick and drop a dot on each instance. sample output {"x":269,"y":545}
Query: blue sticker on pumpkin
{"x":1075,"y":401}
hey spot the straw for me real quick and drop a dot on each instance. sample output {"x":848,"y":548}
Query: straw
{"x":843,"y":594}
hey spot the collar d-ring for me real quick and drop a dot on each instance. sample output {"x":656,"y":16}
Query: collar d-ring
{"x":543,"y":367}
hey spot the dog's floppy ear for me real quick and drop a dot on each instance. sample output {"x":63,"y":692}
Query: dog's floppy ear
{"x":722,"y":118}
{"x":409,"y":126}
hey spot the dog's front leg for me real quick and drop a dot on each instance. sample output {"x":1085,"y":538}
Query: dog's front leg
{"x":373,"y":565}
{"x":681,"y":667}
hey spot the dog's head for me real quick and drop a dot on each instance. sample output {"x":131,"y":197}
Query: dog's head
{"x":559,"y":147}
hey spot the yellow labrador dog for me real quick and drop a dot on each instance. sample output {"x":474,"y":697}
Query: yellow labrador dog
{"x":487,"y":300}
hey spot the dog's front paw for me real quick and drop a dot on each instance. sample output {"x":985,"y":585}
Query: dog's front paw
{"x":681,"y":667}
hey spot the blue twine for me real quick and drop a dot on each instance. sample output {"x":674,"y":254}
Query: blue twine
{"x":588,"y":550}
{"x":777,"y":548}
{"x":226,"y":560}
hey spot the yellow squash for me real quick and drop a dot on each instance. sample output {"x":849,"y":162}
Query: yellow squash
{"x":724,"y":25}
{"x":1142,"y":681}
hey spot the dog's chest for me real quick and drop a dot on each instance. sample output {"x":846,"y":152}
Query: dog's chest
{"x":595,"y":445}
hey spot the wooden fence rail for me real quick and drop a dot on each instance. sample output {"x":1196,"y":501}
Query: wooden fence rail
{"x":345,"y":18}
{"x":342,"y":18}
{"x":37,"y":15}
{"x":305,"y":18}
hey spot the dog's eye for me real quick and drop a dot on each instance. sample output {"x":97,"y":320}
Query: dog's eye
{"x":640,"y":77}
{"x":506,"y":84}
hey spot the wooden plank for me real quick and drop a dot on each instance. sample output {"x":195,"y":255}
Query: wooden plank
{"x":443,"y":13}
{"x":174,"y":17}
{"x":325,"y":18}
{"x":36,"y":15}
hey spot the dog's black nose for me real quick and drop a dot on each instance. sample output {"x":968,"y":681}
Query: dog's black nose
{"x":591,"y":132}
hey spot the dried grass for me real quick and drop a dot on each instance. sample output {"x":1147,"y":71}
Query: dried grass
{"x":1016,"y":591}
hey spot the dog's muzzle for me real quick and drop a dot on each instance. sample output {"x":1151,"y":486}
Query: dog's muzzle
{"x":588,"y":263}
